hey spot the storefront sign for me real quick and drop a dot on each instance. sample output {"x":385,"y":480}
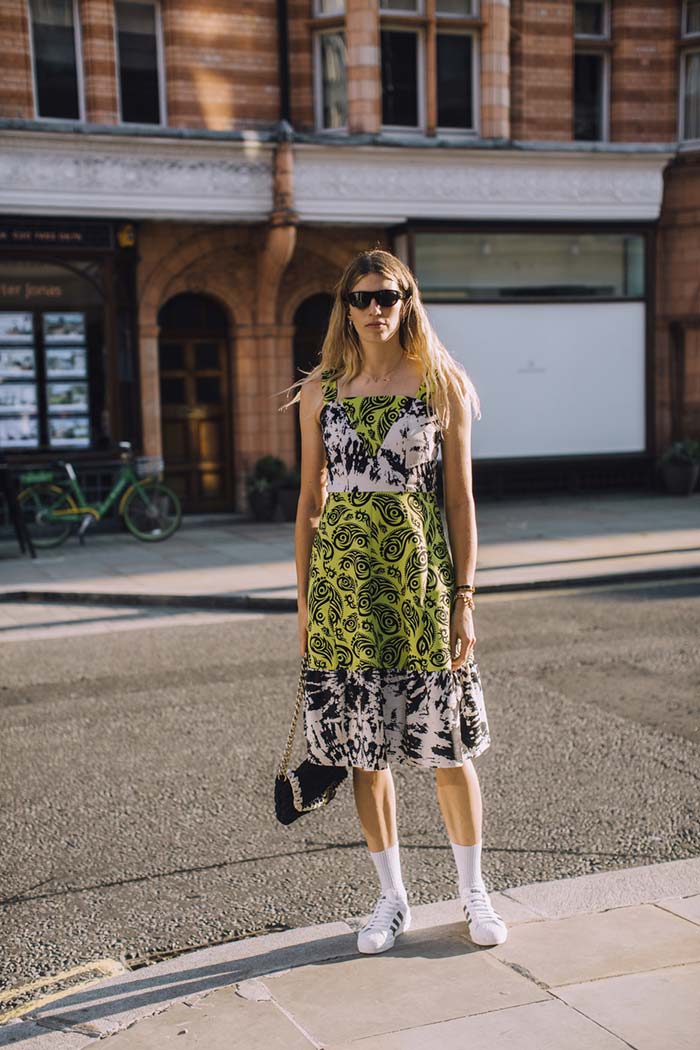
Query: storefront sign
{"x":63,"y":235}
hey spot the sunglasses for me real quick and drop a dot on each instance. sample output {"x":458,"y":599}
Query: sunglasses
{"x":385,"y":297}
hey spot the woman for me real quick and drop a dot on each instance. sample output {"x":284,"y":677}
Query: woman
{"x":385,"y":612}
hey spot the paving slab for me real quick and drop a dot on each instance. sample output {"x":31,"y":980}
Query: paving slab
{"x":27,"y":1035}
{"x":535,"y":1026}
{"x":648,"y":882}
{"x":590,"y":947}
{"x":656,"y":1010}
{"x":687,"y":907}
{"x":430,"y":976}
{"x":222,"y":1021}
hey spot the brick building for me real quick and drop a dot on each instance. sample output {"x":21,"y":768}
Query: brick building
{"x":182,"y":183}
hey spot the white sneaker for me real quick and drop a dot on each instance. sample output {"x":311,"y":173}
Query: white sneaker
{"x":391,"y":916}
{"x":485,"y":925}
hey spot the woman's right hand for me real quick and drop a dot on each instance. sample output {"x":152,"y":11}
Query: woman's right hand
{"x":302,"y":620}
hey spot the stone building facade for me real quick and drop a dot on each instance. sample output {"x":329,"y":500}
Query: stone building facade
{"x":190,"y":179}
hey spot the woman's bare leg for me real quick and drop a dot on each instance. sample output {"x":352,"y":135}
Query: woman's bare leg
{"x":375,"y":800}
{"x":459,"y":796}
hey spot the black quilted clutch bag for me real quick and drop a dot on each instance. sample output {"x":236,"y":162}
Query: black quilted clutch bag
{"x":309,"y":786}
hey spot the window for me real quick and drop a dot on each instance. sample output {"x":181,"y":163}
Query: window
{"x":410,"y":7}
{"x":329,"y":7}
{"x":55,"y":47}
{"x":141,"y":94}
{"x":690,"y":73}
{"x":454,"y":80}
{"x":400,"y":78}
{"x":466,"y":267}
{"x":591,"y":22}
{"x":331,"y":93}
{"x":691,"y":17}
{"x":456,"y":7}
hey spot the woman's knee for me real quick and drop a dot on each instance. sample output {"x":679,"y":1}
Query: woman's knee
{"x":374,"y":780}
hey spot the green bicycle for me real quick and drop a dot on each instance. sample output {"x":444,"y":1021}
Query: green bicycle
{"x":52,"y":507}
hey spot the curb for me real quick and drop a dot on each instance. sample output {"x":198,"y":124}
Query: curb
{"x":237,"y":602}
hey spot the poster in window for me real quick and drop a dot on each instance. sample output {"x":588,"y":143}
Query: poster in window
{"x":73,"y":431}
{"x":16,"y":362}
{"x":66,"y":362}
{"x":16,"y":328}
{"x":67,"y":397}
{"x":64,"y":328}
{"x":19,"y":431}
{"x":17,"y":397}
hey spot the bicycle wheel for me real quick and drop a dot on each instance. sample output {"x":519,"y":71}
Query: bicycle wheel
{"x":35,"y":503}
{"x":152,"y":511}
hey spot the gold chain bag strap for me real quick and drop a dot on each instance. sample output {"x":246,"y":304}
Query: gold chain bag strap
{"x":309,"y":786}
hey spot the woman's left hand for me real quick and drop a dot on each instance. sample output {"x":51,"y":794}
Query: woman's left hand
{"x":461,"y":629}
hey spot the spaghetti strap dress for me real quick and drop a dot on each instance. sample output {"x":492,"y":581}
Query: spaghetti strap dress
{"x":378,"y":683}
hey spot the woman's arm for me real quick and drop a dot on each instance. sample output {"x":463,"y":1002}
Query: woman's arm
{"x":312,"y":494}
{"x":460,"y":514}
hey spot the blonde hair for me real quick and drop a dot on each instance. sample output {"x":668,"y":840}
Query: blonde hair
{"x":341,"y":352}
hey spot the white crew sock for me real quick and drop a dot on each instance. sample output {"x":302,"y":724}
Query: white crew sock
{"x":388,"y":867}
{"x":468,"y":861}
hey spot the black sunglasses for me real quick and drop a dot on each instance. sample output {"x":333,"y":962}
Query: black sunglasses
{"x":385,"y":297}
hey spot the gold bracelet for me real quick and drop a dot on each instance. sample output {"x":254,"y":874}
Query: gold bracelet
{"x":465,"y":587}
{"x":465,"y":597}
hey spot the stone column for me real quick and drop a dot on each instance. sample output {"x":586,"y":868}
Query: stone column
{"x":364,"y":66}
{"x":99,"y":61}
{"x":149,"y":374}
{"x":495,"y":69}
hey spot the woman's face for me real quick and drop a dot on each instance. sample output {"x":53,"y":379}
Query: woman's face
{"x":376,"y":323}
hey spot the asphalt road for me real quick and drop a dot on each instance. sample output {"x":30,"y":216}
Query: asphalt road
{"x":138,"y":752}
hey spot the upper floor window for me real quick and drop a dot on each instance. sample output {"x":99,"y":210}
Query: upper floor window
{"x":331,"y":80}
{"x":691,"y":17}
{"x":690,"y":73}
{"x":591,"y":70}
{"x":55,"y":43}
{"x":139,"y":52}
{"x":329,"y":7}
{"x":408,"y":60}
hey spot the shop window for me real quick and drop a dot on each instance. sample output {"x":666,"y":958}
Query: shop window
{"x":139,"y":50}
{"x":690,"y":73}
{"x":55,"y":45}
{"x":51,"y":349}
{"x":591,"y":73}
{"x":467,"y":267}
{"x":454,"y":81}
{"x":400,"y":104}
{"x":331,"y":80}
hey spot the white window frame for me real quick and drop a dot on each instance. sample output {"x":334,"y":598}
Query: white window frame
{"x":78,"y":44}
{"x":476,"y":101}
{"x":318,"y":81}
{"x":605,"y":137}
{"x":605,"y":35}
{"x":684,"y":22}
{"x":681,"y":95}
{"x":160,"y":58}
{"x":402,"y":129}
{"x":447,"y":14}
{"x":318,"y":13}
{"x":390,"y":12}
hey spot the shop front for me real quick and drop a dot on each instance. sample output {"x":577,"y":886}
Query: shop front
{"x":67,"y":374}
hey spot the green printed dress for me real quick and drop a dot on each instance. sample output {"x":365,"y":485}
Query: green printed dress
{"x":379,"y":682}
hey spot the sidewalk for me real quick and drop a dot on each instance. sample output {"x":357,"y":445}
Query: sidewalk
{"x":230,"y":562}
{"x":599,"y":962}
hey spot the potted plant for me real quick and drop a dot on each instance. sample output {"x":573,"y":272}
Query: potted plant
{"x":262,"y":486}
{"x":288,"y":493}
{"x":680,"y":466}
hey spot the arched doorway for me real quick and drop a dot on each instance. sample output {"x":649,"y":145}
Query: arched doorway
{"x":195,"y":395}
{"x":310,"y":325}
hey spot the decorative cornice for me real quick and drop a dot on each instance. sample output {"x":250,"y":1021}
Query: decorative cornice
{"x":377,"y":185}
{"x":137,"y":178}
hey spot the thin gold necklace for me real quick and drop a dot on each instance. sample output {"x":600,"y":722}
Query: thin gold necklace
{"x":385,"y":378}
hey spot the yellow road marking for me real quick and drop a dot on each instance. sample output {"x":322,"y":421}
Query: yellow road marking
{"x":105,"y":967}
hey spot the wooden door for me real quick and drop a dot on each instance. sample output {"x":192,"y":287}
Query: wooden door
{"x":195,"y":413}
